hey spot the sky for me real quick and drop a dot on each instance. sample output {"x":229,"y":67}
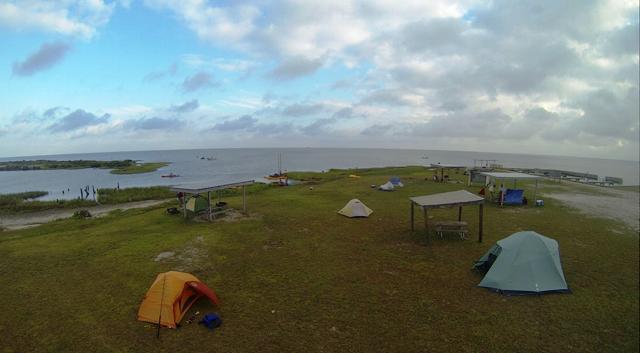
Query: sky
{"x":540,"y":77}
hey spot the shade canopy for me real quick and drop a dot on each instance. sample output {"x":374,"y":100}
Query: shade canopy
{"x":447,"y":199}
{"x":509,"y":175}
{"x":200,"y":188}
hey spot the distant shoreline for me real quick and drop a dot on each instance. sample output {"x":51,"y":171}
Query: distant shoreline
{"x":127,"y":166}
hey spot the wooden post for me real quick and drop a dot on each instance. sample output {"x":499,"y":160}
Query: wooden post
{"x":209,"y":205}
{"x":411,"y":216}
{"x":442,"y":175}
{"x":244,"y":199}
{"x":459,"y":213}
{"x":426,"y":221}
{"x":184,"y":204}
{"x":481,"y":211}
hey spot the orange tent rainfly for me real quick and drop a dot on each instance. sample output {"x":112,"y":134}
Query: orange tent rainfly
{"x":173,"y":293}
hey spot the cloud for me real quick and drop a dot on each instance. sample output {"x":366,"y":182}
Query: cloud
{"x":244,"y":122}
{"x":198,"y":81}
{"x":160,"y":74}
{"x":155,"y":123}
{"x":343,"y":113}
{"x":376,"y":130}
{"x":76,"y":120}
{"x":44,"y":58}
{"x":296,"y":67}
{"x":318,"y":127}
{"x":295,"y":110}
{"x":54,"y":112}
{"x":73,"y":17}
{"x":610,"y":115}
{"x":185,"y":107}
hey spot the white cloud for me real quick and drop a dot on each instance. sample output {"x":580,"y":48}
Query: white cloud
{"x":74,"y":18}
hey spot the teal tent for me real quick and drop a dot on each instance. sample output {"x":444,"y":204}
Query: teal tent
{"x":523,"y":263}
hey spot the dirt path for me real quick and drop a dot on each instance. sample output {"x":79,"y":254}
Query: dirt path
{"x":27,"y":220}
{"x":622,"y":205}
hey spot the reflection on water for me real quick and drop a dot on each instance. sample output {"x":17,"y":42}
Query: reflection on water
{"x":242,"y":164}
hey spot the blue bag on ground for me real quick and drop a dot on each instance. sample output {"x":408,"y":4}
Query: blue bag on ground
{"x":211,"y":321}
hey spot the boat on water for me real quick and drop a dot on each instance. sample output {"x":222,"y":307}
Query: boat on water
{"x":425,"y":157}
{"x":170,"y":175}
{"x":280,"y":177}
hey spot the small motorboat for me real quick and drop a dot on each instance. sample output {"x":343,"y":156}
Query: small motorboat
{"x":170,"y":175}
{"x":425,"y":157}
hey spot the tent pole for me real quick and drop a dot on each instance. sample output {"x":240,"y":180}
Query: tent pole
{"x":164,"y":280}
{"x":411,"y":216}
{"x":459,"y":213}
{"x":535,"y":193}
{"x":209,"y":204}
{"x":481,"y":212}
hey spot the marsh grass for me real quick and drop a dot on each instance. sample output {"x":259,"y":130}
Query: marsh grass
{"x":297,"y":277}
{"x":24,"y":202}
{"x":139,"y":168}
{"x":115,"y":196}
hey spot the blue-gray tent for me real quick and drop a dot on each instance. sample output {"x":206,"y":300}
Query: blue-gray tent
{"x":523,"y":263}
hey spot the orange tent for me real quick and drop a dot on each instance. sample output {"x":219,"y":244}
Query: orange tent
{"x":180,"y":291}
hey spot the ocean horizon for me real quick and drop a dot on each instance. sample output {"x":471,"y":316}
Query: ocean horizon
{"x":233,"y":164}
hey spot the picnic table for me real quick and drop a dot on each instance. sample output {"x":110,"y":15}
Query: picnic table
{"x":459,"y":227}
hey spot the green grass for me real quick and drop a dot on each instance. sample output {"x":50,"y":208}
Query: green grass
{"x":139,"y":168}
{"x":635,"y":188}
{"x":297,"y":277}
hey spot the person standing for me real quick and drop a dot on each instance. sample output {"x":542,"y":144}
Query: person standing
{"x":502,"y":191}
{"x":492,"y":189}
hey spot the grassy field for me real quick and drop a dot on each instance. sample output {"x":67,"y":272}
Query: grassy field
{"x":139,"y":168}
{"x":296,"y":277}
{"x":635,"y":188}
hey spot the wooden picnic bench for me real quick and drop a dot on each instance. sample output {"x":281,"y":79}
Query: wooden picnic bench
{"x":459,"y":227}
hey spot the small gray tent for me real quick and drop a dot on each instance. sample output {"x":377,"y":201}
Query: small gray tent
{"x":523,"y":263}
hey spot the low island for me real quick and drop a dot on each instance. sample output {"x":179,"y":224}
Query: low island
{"x":127,"y":166}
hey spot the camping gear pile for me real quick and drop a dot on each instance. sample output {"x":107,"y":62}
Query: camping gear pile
{"x":523,"y":263}
{"x":211,"y":321}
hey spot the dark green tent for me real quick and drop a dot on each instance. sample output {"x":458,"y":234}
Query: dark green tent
{"x":523,"y":263}
{"x":197,"y":204}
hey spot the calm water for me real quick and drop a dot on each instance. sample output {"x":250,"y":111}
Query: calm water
{"x":244,"y":164}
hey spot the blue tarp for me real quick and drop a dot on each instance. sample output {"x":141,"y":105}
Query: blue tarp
{"x":513,"y":197}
